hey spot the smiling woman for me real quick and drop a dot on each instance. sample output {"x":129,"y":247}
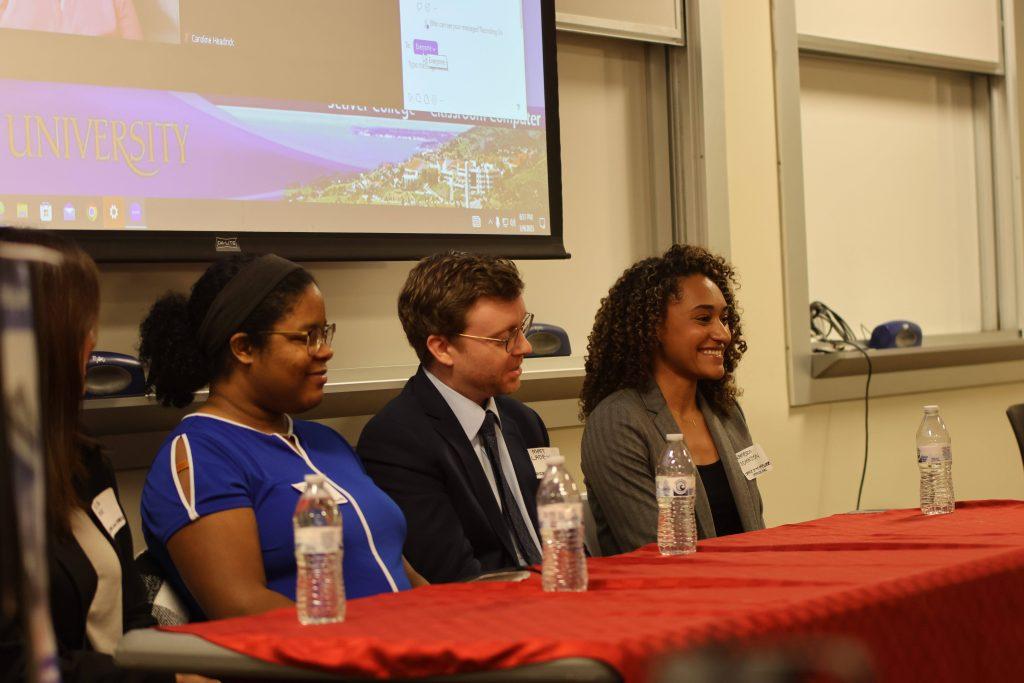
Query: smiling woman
{"x":219,"y":497}
{"x":660,"y":360}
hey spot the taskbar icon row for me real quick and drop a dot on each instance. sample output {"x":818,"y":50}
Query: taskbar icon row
{"x":73,"y":212}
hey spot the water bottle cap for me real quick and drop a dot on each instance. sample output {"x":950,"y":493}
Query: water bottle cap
{"x":931,"y":409}
{"x":314,"y":478}
{"x":673,"y":437}
{"x":555,"y":458}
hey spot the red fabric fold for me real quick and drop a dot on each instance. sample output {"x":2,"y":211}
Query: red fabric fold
{"x":932,"y":598}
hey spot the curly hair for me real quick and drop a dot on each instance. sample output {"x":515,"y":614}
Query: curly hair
{"x":168,"y":336}
{"x":622,"y":345}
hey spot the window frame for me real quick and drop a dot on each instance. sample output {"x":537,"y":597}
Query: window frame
{"x":992,"y":356}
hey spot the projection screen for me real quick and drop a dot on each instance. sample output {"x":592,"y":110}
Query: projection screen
{"x":320,"y":129}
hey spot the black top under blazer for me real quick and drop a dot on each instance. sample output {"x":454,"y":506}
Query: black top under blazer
{"x":416,"y":450}
{"x":72,"y":587}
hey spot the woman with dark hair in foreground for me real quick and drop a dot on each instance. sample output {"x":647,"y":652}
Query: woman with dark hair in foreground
{"x":660,"y":360}
{"x":96,"y":594}
{"x":218,"y":501}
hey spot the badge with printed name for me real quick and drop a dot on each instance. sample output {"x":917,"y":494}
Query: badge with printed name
{"x":335,"y":493}
{"x":106,"y":509}
{"x":539,"y":457}
{"x":754,"y":462}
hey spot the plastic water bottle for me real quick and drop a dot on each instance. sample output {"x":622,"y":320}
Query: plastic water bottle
{"x":676,"y":487}
{"x":319,"y":590}
{"x":935,"y":461}
{"x":560,"y":513}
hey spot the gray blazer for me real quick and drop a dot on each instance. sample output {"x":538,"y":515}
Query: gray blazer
{"x":622,"y":440}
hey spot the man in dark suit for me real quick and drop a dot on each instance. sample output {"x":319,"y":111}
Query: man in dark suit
{"x":451,"y":449}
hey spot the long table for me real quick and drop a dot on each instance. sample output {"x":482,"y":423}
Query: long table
{"x":930,"y":598}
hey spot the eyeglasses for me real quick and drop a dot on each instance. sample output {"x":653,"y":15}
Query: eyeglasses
{"x":508,"y":342}
{"x":315,"y":338}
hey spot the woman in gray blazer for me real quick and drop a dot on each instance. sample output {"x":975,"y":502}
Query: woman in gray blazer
{"x":660,"y":360}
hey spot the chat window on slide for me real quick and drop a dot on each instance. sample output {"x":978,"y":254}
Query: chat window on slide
{"x":464,"y":57}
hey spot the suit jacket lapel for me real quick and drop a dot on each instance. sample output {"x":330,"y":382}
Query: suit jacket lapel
{"x":449,"y":428}
{"x":666,"y":424}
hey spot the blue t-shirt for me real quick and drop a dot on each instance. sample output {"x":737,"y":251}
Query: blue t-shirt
{"x":234,"y":466}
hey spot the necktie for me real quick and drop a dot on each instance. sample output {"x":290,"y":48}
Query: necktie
{"x":513,"y":516}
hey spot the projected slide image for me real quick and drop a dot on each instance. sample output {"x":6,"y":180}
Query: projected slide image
{"x":482,"y":168}
{"x":150,"y":20}
{"x":325,"y":117}
{"x":182,"y":146}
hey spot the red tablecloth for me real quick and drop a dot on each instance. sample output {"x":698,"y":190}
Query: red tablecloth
{"x":932,"y":598}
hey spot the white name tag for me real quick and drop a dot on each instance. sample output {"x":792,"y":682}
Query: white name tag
{"x":335,"y":493}
{"x":754,"y":462}
{"x":108,"y":511}
{"x":539,"y":457}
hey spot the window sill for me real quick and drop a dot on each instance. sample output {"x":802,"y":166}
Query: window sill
{"x":942,"y":363}
{"x":942,"y":352}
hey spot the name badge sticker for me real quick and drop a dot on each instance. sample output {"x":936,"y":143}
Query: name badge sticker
{"x":539,"y":457}
{"x":754,"y":462}
{"x":336,"y":495}
{"x":108,"y":511}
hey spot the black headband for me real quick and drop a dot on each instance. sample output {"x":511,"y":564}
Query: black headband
{"x":240,"y":297}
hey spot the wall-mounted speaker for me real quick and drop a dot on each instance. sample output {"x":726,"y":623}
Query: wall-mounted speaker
{"x":895,"y":334}
{"x":548,"y":340}
{"x":110,"y":374}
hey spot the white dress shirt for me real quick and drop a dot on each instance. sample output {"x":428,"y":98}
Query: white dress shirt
{"x":471,"y":416}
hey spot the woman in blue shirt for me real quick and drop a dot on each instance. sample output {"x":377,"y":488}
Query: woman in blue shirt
{"x":218,"y":499}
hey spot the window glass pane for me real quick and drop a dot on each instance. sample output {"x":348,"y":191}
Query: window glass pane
{"x":890,"y":194}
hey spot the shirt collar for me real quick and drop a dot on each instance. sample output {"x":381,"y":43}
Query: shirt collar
{"x":469,"y":414}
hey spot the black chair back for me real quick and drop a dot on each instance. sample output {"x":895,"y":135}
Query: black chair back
{"x":1016,"y":415}
{"x":164,"y":604}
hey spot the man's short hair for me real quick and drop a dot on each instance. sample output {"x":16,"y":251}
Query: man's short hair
{"x":442,"y":288}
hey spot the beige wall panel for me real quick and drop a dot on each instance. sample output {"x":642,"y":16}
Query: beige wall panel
{"x":649,"y":12}
{"x":655,"y":20}
{"x":967,"y":29}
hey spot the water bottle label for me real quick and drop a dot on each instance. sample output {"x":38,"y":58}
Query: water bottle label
{"x":934,"y":453}
{"x":669,"y":487}
{"x":312,"y":540}
{"x":560,"y":516}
